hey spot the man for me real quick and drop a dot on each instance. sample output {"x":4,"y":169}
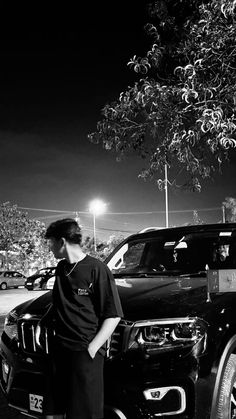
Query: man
{"x":86,"y":309}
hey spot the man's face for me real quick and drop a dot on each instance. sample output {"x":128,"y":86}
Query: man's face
{"x":56,"y":247}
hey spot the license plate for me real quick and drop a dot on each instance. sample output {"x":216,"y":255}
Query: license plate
{"x":36,"y":403}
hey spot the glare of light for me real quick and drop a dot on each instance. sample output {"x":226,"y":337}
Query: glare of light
{"x":97,"y":207}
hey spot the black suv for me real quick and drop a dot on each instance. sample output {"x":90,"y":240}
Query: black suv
{"x":174,"y":353}
{"x":38,"y":281}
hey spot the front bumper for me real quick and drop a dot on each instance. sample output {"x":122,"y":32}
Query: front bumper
{"x":22,"y":376}
{"x":139,"y":392}
{"x":135,"y":387}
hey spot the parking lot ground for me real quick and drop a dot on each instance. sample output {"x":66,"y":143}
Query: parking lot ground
{"x":12,"y":297}
{"x":8,"y":300}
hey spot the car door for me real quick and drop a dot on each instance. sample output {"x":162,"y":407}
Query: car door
{"x":18,"y":279}
{"x":8,"y":279}
{"x":2,"y":278}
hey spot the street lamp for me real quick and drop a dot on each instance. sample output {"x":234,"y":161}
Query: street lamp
{"x":96,"y":207}
{"x":166,"y":196}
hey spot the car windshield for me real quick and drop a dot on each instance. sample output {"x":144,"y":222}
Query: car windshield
{"x":43,"y":271}
{"x":175,"y":254}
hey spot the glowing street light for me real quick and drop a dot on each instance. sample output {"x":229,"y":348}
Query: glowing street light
{"x":166,"y":196}
{"x":96,"y":207}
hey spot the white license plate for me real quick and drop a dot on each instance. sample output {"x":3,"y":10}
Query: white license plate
{"x":36,"y":403}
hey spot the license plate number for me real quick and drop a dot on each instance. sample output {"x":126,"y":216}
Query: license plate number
{"x":36,"y":403}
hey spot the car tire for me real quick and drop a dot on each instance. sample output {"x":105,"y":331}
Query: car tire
{"x":226,"y":407}
{"x":3,"y":286}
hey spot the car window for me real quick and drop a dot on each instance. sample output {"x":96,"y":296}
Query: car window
{"x":177,"y":255}
{"x":45,"y":271}
{"x":42,"y":271}
{"x":17,"y":275}
{"x":139,"y":256}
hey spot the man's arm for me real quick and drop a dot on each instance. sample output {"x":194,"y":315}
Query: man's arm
{"x":105,"y":331}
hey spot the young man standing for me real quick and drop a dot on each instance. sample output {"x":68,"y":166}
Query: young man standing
{"x":86,"y":309}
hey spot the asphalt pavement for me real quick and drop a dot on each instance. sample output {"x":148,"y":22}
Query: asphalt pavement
{"x":8,"y":300}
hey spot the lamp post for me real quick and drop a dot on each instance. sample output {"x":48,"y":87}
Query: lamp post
{"x":166,"y":196}
{"x":96,"y":207}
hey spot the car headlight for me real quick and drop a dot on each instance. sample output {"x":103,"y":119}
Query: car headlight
{"x":167,"y":334}
{"x":10,"y":325}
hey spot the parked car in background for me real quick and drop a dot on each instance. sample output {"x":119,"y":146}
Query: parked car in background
{"x":38,"y":281}
{"x":11,"y":279}
{"x":173,"y":355}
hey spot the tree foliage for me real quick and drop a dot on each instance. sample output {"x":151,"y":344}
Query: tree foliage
{"x":104,"y":248}
{"x":23,"y":237}
{"x":196,"y":219}
{"x":230,"y":209}
{"x":181,"y":112}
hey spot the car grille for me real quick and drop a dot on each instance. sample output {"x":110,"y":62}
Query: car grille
{"x":119,"y":339}
{"x":27,"y":328}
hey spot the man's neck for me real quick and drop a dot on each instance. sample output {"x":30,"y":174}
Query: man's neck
{"x":74,"y":253}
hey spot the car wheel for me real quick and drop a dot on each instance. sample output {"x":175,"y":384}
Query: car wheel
{"x":226,"y":407}
{"x":3,"y":286}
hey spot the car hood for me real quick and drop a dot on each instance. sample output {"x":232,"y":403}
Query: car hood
{"x":150,"y":298}
{"x":36,"y":306}
{"x":167,"y":296}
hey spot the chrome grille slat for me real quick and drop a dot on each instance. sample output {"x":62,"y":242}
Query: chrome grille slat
{"x":23,"y":336}
{"x":115,"y":345}
{"x":46,"y":341}
{"x":33,"y":337}
{"x":27,"y":337}
{"x":117,"y":341}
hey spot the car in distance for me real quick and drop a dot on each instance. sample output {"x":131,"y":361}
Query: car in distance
{"x":11,"y":279}
{"x":38,"y":280}
{"x":174,"y":352}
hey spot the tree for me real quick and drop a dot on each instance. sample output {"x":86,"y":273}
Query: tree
{"x":230,"y":209}
{"x":181,"y":112}
{"x":112,"y":242}
{"x":196,"y":219}
{"x":22,"y":236}
{"x":103,"y":248}
{"x":33,"y":249}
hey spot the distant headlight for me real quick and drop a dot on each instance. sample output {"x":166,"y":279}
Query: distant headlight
{"x":10,"y":325}
{"x":168,"y":334}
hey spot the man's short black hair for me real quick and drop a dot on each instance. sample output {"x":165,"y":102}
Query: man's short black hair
{"x":67,"y":228}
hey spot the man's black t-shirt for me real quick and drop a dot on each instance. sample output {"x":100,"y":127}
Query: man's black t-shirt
{"x":82,"y":300}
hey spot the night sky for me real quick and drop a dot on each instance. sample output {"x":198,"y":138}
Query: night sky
{"x":54,"y":81}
